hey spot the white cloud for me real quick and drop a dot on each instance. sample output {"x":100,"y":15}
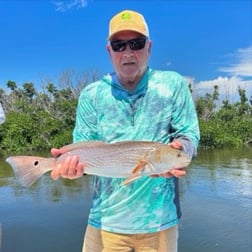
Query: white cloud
{"x":244,"y":65}
{"x":227,"y":87}
{"x":62,"y":6}
{"x":239,"y":74}
{"x":168,"y":63}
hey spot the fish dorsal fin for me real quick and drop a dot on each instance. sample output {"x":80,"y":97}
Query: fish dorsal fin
{"x":79,"y":145}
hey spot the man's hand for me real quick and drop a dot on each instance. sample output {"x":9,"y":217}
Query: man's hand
{"x":66,"y":168}
{"x":176,"y":172}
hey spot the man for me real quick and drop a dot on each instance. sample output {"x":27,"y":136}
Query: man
{"x":134,"y":103}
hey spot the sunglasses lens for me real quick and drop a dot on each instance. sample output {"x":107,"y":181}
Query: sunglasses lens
{"x":118,"y":46}
{"x":134,"y":44}
{"x":137,"y":44}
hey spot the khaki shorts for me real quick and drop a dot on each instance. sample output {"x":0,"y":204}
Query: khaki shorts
{"x":96,"y":240}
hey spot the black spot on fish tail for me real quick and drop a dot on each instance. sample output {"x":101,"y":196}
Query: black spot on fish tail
{"x":36,"y":163}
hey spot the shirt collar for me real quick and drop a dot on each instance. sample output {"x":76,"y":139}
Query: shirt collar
{"x":120,"y":92}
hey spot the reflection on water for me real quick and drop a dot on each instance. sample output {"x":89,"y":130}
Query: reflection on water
{"x":215,"y":197}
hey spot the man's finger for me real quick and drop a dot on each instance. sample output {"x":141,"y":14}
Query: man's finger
{"x":178,"y":172}
{"x":176,"y":145}
{"x":55,"y":152}
{"x":55,"y":174}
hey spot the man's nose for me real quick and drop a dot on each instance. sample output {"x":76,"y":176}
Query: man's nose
{"x":128,"y":50}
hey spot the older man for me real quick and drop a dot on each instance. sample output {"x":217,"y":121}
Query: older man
{"x":133,"y":103}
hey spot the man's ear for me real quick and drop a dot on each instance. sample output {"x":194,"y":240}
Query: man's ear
{"x":108,"y":49}
{"x":149,"y":46}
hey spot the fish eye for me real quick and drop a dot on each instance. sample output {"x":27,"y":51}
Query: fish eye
{"x":178,"y":155}
{"x":36,"y":163}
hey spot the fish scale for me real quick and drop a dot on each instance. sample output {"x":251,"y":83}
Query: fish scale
{"x":105,"y":158}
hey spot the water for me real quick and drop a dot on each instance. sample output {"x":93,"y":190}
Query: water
{"x":216,"y":200}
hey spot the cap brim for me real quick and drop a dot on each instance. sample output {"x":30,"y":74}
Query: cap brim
{"x":122,"y":30}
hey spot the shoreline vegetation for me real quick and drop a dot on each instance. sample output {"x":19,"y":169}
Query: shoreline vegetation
{"x":39,"y":120}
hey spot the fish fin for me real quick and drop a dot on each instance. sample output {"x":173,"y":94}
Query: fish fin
{"x":82,"y":144}
{"x":139,"y":167}
{"x":135,"y":172}
{"x":27,"y":168}
{"x":151,"y":167}
{"x":130,"y":180}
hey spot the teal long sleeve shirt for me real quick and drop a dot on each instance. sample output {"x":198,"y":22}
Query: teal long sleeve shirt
{"x":160,"y":109}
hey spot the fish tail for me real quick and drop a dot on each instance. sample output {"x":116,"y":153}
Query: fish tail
{"x":27,"y":169}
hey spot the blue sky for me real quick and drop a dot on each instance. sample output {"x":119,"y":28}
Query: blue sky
{"x":207,"y":41}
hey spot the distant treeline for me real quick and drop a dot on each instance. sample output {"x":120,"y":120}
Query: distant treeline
{"x":38,"y":120}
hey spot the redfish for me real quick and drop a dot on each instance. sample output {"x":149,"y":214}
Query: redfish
{"x":128,"y":159}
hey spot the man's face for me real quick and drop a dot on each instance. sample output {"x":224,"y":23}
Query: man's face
{"x":129,"y":64}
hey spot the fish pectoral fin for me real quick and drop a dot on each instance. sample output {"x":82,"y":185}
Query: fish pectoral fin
{"x":135,"y":172}
{"x":139,"y":167}
{"x":130,"y":179}
{"x":151,"y":167}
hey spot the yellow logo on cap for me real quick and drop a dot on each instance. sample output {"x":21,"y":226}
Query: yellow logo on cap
{"x":126,"y":15}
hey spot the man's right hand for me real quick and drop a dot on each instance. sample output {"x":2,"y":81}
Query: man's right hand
{"x":69,"y":167}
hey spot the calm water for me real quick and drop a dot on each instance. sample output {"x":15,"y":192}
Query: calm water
{"x":216,"y":199}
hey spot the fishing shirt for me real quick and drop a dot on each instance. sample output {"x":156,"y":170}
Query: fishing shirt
{"x":160,"y":109}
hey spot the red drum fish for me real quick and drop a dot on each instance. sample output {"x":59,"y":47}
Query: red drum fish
{"x":128,"y":159}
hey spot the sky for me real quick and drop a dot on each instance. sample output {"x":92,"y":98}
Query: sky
{"x":209,"y":42}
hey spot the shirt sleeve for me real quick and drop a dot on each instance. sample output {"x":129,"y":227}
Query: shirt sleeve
{"x":86,"y":119}
{"x":184,"y":122}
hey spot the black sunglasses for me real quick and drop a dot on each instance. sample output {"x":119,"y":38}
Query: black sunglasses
{"x":134,"y":44}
